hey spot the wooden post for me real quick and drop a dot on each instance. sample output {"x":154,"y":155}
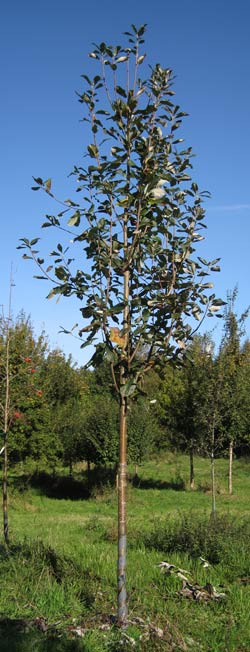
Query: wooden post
{"x":230,"y":470}
{"x":191,"y":460}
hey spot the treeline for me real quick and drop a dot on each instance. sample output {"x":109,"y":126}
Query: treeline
{"x":59,"y":414}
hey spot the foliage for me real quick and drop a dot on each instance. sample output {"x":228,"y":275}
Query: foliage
{"x":138,"y":222}
{"x":28,"y":414}
{"x":101,"y":429}
{"x":213,"y":540}
{"x":234,"y":370}
{"x":143,"y":431}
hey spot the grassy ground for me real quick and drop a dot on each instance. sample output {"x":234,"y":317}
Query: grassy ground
{"x":62,"y":563}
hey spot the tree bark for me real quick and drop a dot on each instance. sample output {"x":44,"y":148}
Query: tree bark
{"x":6,"y":425}
{"x":122,"y":535}
{"x":5,"y":492}
{"x":88,"y":473}
{"x":191,"y":461}
{"x":213,"y":513}
{"x":230,"y":469}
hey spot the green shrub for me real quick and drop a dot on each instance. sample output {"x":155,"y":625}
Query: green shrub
{"x":216,"y":540}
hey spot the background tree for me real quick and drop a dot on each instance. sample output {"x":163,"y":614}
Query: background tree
{"x":183,"y":400}
{"x":5,"y":407}
{"x":138,"y":225}
{"x":68,"y":425}
{"x":231,"y":363}
{"x":19,"y":357}
{"x":101,"y":427}
{"x":28,"y":432}
{"x":241,"y":445}
{"x":65,"y":390}
{"x":143,"y":431}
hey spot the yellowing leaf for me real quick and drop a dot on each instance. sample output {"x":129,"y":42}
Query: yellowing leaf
{"x":116,"y":337}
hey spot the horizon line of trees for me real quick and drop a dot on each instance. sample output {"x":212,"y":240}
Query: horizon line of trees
{"x":60,"y":414}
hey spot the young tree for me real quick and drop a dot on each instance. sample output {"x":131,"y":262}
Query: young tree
{"x":5,"y":406}
{"x":183,"y":401}
{"x":101,"y":426}
{"x":28,"y":411}
{"x":231,"y":362}
{"x":137,"y":226}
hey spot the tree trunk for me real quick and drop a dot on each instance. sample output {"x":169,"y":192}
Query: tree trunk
{"x":230,"y":470}
{"x":88,"y":473}
{"x":213,"y":513}
{"x":122,"y":536}
{"x":191,"y":461}
{"x":5,"y":492}
{"x":70,"y":468}
{"x":6,"y":425}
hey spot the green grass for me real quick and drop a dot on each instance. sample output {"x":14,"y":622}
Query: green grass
{"x":62,"y":563}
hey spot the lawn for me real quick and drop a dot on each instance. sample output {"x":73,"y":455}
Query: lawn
{"x":61,"y":568}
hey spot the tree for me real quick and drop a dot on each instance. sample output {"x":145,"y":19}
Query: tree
{"x":64,"y":390}
{"x":100,"y":443}
{"x":5,"y":406}
{"x":140,"y":219}
{"x":241,"y":445}
{"x":29,"y":411}
{"x":143,"y":431}
{"x":68,"y":426}
{"x":183,"y":400}
{"x":19,"y":393}
{"x":231,"y":363}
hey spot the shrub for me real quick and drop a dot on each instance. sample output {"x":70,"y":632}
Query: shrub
{"x":216,"y":540}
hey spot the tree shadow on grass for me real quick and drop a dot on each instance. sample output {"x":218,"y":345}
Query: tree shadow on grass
{"x":19,"y":636}
{"x":66,"y":487}
{"x":176,"y":484}
{"x":61,"y":487}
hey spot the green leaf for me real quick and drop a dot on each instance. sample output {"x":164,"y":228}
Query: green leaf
{"x":92,"y":150}
{"x":203,"y":261}
{"x":111,"y":356}
{"x":61,"y":273}
{"x":121,"y":59}
{"x":69,"y":202}
{"x":141,"y":59}
{"x":128,"y":389}
{"x":54,"y":291}
{"x":75,"y":219}
{"x":145,"y":314}
{"x":121,"y":91}
{"x":117,"y":309}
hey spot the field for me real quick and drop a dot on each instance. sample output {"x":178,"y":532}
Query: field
{"x":61,"y":568}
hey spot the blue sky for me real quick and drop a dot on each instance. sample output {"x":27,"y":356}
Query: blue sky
{"x":43,"y":52}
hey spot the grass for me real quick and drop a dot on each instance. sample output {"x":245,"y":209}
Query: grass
{"x":61,"y":567}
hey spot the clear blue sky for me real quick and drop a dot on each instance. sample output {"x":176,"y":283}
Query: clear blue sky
{"x":43,"y":52}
